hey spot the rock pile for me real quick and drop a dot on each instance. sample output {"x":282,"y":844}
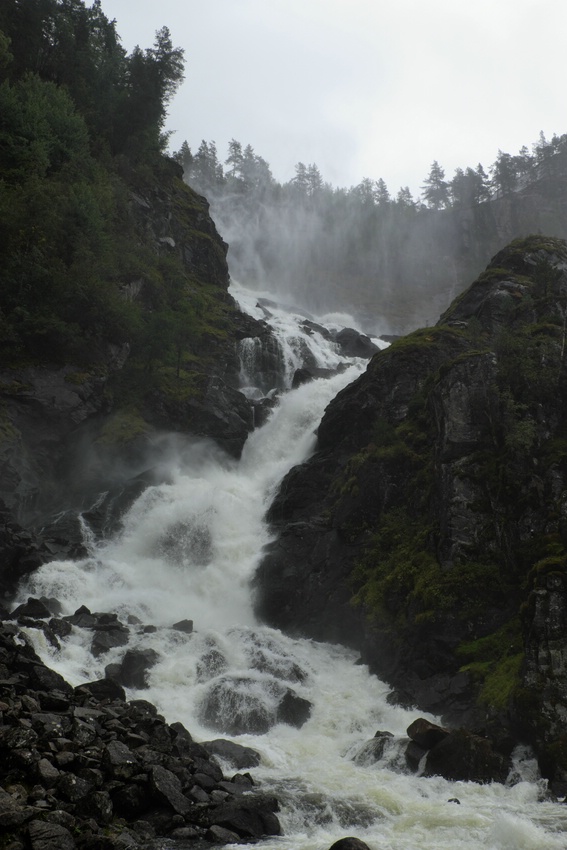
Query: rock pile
{"x":84,"y":768}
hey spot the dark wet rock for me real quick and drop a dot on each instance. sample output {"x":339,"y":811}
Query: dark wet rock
{"x":98,"y":806}
{"x":47,"y":773}
{"x":301,"y":376}
{"x":414,"y":754}
{"x":82,"y":618}
{"x":45,"y":679}
{"x":466,"y":757}
{"x":425,"y":733}
{"x":60,"y":627}
{"x":266,"y":655}
{"x":132,"y":672}
{"x":108,"y":635}
{"x":33,"y":608}
{"x":49,"y":836}
{"x":104,"y":516}
{"x":236,"y":755}
{"x":249,"y":817}
{"x":184,"y":626}
{"x":220,"y":835}
{"x":293,"y":709}
{"x":131,"y":801}
{"x":103,"y":689}
{"x":217,"y":410}
{"x":243,"y":705}
{"x":119,"y":761}
{"x":21,"y":551}
{"x":354,"y":344}
{"x":311,"y":327}
{"x":372,"y":751}
{"x":349,"y":844}
{"x":211,"y":664}
{"x":72,"y":788}
{"x":186,"y":833}
{"x":166,"y":788}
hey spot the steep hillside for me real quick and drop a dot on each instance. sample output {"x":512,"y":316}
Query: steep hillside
{"x":429,"y":528}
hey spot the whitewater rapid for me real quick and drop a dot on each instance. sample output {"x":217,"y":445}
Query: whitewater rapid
{"x":189,"y":549}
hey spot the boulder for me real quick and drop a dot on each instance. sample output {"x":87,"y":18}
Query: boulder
{"x":166,"y":789}
{"x":103,"y":689}
{"x":184,"y":626}
{"x":301,"y":376}
{"x":461,"y":756}
{"x":49,"y":836}
{"x":349,"y":844}
{"x":236,"y":755}
{"x":119,"y":761}
{"x":34,"y":608}
{"x":372,"y":751}
{"x":293,"y":709}
{"x":108,"y":636}
{"x":241,"y":705}
{"x":425,"y":733}
{"x":132,"y":672}
{"x":354,"y":344}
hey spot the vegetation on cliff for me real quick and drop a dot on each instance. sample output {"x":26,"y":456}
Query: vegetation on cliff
{"x":90,"y":256}
{"x":437,"y":494}
{"x":405,"y":259}
{"x":114,"y":279}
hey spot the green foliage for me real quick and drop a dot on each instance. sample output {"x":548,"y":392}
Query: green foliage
{"x":122,"y":427}
{"x":122,"y":98}
{"x":495,"y":661}
{"x":394,"y":560}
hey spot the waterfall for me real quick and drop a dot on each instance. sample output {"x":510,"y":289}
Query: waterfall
{"x":188,"y":549}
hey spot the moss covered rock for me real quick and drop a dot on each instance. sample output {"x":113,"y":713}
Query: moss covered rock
{"x":438,"y":485}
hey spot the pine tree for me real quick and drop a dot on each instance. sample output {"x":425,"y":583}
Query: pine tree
{"x":435,"y":188}
{"x":504,"y":173}
{"x":381,"y":194}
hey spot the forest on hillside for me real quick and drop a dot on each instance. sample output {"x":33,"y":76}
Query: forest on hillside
{"x":82,"y":125}
{"x":393,"y":262}
{"x":81,"y":128}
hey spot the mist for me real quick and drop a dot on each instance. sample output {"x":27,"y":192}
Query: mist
{"x":393,"y":264}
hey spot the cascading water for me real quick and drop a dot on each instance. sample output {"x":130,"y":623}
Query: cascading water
{"x":189,"y":549}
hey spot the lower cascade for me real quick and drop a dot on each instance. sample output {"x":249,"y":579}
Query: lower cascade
{"x":178,"y":576}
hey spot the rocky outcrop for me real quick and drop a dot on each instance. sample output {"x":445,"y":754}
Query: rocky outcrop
{"x":82,"y":767}
{"x":428,"y":529}
{"x":66,"y":428}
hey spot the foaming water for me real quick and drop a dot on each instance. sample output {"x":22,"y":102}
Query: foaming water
{"x":189,"y":549}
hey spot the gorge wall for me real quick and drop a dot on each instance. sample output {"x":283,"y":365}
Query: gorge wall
{"x":86,"y":419}
{"x":429,"y":528}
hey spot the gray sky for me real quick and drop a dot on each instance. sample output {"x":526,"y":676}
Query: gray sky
{"x":363,"y":88}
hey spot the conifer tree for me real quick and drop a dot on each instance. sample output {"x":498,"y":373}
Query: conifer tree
{"x":436,"y":188}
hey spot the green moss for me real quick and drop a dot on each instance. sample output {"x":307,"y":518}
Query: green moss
{"x":501,"y":682}
{"x":13,"y":387}
{"x":495,"y":662}
{"x":78,"y":378}
{"x":427,"y":338}
{"x":393,"y":561}
{"x":123,"y":427}
{"x":8,"y":432}
{"x":507,"y":640}
{"x":179,"y":388}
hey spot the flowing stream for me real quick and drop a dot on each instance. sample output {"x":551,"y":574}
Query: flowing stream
{"x":188,"y":549}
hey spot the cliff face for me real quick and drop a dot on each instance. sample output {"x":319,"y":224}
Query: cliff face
{"x":429,"y":528}
{"x":439,"y":250}
{"x":179,"y":372}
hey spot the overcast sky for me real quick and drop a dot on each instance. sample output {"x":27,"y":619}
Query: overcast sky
{"x":363,"y":88}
